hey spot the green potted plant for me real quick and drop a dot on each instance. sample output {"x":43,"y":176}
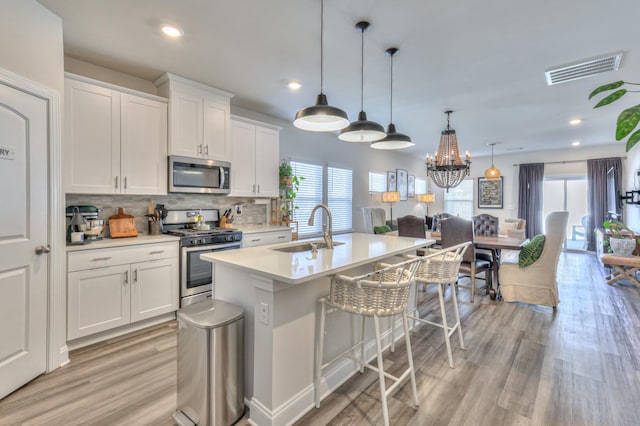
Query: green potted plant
{"x":289,"y":186}
{"x":621,"y":239}
{"x":286,"y":173}
{"x":628,"y":118}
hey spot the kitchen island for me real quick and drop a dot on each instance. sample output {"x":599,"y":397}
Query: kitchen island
{"x":279,"y":292}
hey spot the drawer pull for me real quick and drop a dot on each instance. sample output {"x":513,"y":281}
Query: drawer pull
{"x":135,"y":275}
{"x":100,"y":258}
{"x":282,"y":236}
{"x":126,"y":277}
{"x":256,"y":240}
{"x":156,"y":252}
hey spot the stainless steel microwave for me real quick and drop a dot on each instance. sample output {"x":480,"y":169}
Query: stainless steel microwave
{"x":199,"y":175}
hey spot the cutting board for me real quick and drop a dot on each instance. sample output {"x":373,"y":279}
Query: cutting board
{"x":122,"y":225}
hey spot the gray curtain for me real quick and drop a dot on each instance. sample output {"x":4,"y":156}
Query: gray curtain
{"x":597,"y":193}
{"x":530,"y":197}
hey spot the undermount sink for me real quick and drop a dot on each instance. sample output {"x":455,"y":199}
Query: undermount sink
{"x":299,"y":248}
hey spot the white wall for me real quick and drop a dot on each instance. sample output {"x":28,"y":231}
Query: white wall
{"x":32,"y":42}
{"x":100,"y":73}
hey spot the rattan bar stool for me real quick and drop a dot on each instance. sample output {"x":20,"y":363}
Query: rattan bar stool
{"x":381,"y":293}
{"x":441,"y":267}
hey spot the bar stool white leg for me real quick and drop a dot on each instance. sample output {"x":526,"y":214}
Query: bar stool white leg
{"x":458,"y":322}
{"x":393,"y":333}
{"x":319,"y":351}
{"x":383,"y":391}
{"x":405,"y":323}
{"x":362,"y":361}
{"x":445,"y":327}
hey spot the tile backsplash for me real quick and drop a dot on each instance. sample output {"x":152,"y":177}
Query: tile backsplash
{"x":137,"y":205}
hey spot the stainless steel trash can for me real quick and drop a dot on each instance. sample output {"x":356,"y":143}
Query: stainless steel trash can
{"x":210,"y":364}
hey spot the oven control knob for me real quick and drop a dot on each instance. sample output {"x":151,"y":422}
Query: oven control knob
{"x":193,"y":242}
{"x":203,"y":241}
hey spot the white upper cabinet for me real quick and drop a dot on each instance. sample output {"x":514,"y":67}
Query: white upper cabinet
{"x":115,"y":139}
{"x":199,"y":118}
{"x":255,"y":158}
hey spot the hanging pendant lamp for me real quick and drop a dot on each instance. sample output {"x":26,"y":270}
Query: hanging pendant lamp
{"x":362,"y":130}
{"x":393,"y":140}
{"x":492,"y":172}
{"x":321,"y":117}
{"x":447,"y":170}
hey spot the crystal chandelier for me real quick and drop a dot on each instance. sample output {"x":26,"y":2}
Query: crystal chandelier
{"x":447,"y":169}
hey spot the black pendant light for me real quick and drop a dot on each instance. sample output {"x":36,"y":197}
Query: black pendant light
{"x":321,"y":117}
{"x":362,"y":130}
{"x":393,"y":140}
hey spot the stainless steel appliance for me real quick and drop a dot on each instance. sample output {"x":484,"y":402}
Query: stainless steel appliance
{"x":199,"y":175}
{"x":196,"y":275}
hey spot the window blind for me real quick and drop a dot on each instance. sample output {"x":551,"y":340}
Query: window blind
{"x":339,"y":198}
{"x":309,"y":195}
{"x":421,"y":186}
{"x":459,"y":200}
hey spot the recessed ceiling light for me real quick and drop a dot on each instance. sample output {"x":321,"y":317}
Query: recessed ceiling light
{"x":172,"y":31}
{"x":575,"y":122}
{"x":294,"y":85}
{"x":576,"y":143}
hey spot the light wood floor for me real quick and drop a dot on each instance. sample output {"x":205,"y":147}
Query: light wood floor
{"x":524,"y":365}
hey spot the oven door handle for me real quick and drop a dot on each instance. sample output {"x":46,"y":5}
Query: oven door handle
{"x":212,"y":247}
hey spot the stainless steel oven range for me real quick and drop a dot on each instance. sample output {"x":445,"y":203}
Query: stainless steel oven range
{"x":196,"y":275}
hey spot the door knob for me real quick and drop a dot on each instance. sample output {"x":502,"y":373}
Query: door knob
{"x":43,"y":249}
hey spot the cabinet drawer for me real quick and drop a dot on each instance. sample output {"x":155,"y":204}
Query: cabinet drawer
{"x":263,"y":238}
{"x":101,"y":258}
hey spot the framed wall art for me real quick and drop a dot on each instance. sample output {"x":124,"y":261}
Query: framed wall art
{"x":401,"y":180}
{"x":391,"y":181}
{"x":490,"y":193}
{"x":411,"y":186}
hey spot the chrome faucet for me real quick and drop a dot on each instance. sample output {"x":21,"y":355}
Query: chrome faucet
{"x":326,"y":233}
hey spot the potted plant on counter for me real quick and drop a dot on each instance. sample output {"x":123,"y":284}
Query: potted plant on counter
{"x":622,"y":240}
{"x":289,"y":186}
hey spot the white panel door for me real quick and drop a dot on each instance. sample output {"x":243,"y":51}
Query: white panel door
{"x":243,"y":177}
{"x":217,"y":141}
{"x":91,"y":161}
{"x":23,"y":228}
{"x":186,"y":125}
{"x":267,"y":161}
{"x":143,"y":145}
{"x":154,"y":288}
{"x":98,"y":300}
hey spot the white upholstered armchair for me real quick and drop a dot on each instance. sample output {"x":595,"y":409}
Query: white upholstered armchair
{"x":373,"y":216}
{"x":537,"y":283}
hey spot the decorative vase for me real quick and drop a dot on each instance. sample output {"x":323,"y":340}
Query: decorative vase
{"x":622,"y":246}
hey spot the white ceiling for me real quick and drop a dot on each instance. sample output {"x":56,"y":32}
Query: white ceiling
{"x":484,"y":59}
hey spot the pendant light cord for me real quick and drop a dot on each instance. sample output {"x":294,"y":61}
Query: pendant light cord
{"x":362,"y":70}
{"x":391,"y":97}
{"x":321,"y":44}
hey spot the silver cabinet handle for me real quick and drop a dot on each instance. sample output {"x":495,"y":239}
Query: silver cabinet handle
{"x":43,"y":249}
{"x":126,"y":277}
{"x":116,"y":182}
{"x":156,"y":252}
{"x":100,"y":258}
{"x":258,"y":188}
{"x":206,"y":150}
{"x":125,"y":182}
{"x":254,"y":188}
{"x":282,"y":236}
{"x":256,"y":240}
{"x":135,"y":275}
{"x":200,"y":149}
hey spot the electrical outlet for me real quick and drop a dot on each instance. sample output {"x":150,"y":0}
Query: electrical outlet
{"x":238,"y":210}
{"x":264,"y":313}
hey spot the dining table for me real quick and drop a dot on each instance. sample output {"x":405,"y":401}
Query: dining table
{"x":495,"y":244}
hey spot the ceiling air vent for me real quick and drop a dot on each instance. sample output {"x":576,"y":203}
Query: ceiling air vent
{"x":583,"y":69}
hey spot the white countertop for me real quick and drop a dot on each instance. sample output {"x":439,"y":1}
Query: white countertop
{"x":254,"y":229}
{"x":120,"y":242}
{"x":296,"y":268}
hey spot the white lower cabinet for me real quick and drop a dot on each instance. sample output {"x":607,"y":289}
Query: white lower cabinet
{"x":264,"y":238}
{"x":103,"y":294}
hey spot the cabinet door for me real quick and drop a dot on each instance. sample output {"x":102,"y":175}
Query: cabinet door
{"x":154,"y":288}
{"x":185,"y":125}
{"x":243,"y":176}
{"x":217,"y":141}
{"x":267,"y":160}
{"x":91,"y":160}
{"x":143,"y":146}
{"x":99,"y":299}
